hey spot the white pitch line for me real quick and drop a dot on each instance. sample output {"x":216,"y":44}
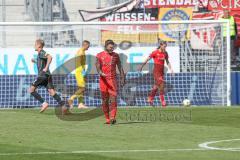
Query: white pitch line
{"x":205,"y":145}
{"x":102,"y":151}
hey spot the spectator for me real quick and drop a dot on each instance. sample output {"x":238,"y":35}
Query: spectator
{"x":226,"y":15}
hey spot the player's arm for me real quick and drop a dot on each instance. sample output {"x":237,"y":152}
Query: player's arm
{"x":80,"y":58}
{"x":80,"y":63}
{"x":144,"y":63}
{"x":49,"y":60}
{"x":169,"y":64}
{"x":121,"y":71}
{"x":98,"y":67}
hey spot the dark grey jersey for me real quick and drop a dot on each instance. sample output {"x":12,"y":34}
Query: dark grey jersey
{"x":42,"y":62}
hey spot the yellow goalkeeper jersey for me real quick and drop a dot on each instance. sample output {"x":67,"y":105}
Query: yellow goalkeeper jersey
{"x":80,"y":62}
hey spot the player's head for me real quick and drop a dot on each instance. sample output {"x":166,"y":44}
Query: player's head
{"x":85,"y":44}
{"x":162,"y":45}
{"x":39,"y":44}
{"x":226,"y":14}
{"x":109,"y":46}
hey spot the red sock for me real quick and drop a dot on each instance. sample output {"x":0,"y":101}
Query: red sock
{"x":153,"y":93}
{"x":105,"y":109}
{"x":113,"y":109}
{"x":162,"y":97}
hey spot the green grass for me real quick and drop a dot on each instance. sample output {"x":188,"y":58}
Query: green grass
{"x":27,"y":131}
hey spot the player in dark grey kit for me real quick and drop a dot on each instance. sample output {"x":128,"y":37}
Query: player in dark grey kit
{"x":44,"y":77}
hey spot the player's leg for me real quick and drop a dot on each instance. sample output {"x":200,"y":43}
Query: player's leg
{"x":81,"y":81}
{"x":152,"y":94}
{"x":32,"y":90}
{"x":112,"y":90}
{"x":80,"y":97}
{"x":75,"y":95}
{"x":70,"y":101}
{"x":161,"y":88}
{"x":113,"y":108}
{"x":59,"y":100}
{"x":105,"y":99}
{"x":37,"y":96}
{"x":105,"y":106}
{"x":80,"y":92}
{"x":54,"y":94}
{"x":155,"y":88}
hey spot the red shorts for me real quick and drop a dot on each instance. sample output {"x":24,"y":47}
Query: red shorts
{"x":158,"y":78}
{"x":108,"y":86}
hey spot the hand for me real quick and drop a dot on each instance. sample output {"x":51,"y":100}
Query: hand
{"x":45,"y":70}
{"x":33,"y":60}
{"x":102,"y":74}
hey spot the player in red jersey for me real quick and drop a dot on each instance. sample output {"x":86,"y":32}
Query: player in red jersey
{"x":159,"y":57}
{"x":106,"y":63}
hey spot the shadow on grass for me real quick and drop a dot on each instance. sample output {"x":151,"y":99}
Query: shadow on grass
{"x":84,"y":116}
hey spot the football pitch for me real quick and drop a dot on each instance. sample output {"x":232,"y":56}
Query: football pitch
{"x":194,"y":133}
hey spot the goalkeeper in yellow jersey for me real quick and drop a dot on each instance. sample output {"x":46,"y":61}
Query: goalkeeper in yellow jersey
{"x":80,"y":73}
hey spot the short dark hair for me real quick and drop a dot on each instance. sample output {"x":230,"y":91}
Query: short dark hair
{"x":109,"y":41}
{"x":41,"y":42}
{"x":86,"y":41}
{"x":161,"y":42}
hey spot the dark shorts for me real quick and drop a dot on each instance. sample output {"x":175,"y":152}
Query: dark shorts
{"x":43,"y":80}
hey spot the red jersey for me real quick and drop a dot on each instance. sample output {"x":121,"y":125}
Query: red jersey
{"x":108,"y":63}
{"x":159,"y":60}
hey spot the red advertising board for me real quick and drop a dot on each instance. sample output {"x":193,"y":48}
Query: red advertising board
{"x":223,"y":4}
